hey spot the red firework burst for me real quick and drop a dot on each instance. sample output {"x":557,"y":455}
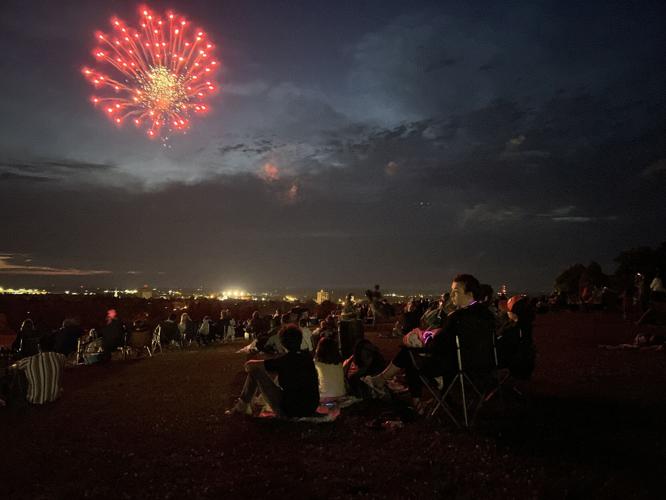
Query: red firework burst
{"x":163,"y":72}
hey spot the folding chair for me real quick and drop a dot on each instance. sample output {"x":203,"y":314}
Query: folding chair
{"x":156,"y":343}
{"x":472,"y":394}
{"x":140,"y":340}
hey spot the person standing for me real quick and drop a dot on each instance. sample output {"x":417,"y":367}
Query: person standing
{"x":113,"y":334}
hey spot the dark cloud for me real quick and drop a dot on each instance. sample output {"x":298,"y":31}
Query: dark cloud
{"x":12,"y":176}
{"x":8,"y":267}
{"x":383,"y":142}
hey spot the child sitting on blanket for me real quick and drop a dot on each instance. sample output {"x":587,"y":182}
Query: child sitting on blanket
{"x":328,"y":363}
{"x":297,"y":394}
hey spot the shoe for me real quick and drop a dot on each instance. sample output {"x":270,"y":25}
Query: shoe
{"x":240,"y":408}
{"x":396,"y":387}
{"x":377,"y":388}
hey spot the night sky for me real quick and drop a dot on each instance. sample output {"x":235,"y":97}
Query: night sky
{"x":352,"y":143}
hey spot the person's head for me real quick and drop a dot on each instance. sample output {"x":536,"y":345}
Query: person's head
{"x":291,"y":337}
{"x":485,"y":293}
{"x":518,"y":308}
{"x":464,"y":290}
{"x":184,"y":318}
{"x":173,"y":317}
{"x":28,"y":324}
{"x":111,"y":314}
{"x":285,"y":318}
{"x":255,"y":315}
{"x":328,"y":352}
{"x":68,"y":323}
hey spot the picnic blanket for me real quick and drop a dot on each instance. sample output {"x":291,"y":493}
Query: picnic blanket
{"x":327,"y":411}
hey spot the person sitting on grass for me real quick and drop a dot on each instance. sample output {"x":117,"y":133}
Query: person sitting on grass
{"x":471,"y":322}
{"x":297,"y":394}
{"x":328,"y":363}
{"x":515,"y":347}
{"x":43,"y":372}
{"x":366,"y":360}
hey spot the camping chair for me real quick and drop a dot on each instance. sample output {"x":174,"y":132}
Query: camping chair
{"x":156,"y":343}
{"x":467,"y":391}
{"x":82,"y":344}
{"x":139,"y":340}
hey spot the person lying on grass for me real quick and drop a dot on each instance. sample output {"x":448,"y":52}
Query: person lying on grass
{"x":297,"y":394}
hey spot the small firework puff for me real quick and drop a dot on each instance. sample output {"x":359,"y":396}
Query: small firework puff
{"x":160,"y":74}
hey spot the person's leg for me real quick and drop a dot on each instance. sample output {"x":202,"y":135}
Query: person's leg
{"x":269,"y":389}
{"x":414,"y":382}
{"x":397,"y":365}
{"x":378,"y":382}
{"x":249,"y":388}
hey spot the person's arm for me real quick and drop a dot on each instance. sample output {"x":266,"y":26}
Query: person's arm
{"x":413,"y":338}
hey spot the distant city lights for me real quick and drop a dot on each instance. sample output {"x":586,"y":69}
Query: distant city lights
{"x":22,"y":291}
{"x":233,"y":294}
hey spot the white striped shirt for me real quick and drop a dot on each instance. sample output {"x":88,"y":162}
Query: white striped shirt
{"x":44,"y":374}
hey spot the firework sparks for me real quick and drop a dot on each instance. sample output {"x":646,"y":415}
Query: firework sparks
{"x":162,"y":73}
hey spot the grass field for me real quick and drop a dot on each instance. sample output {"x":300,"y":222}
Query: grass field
{"x":591,"y":426}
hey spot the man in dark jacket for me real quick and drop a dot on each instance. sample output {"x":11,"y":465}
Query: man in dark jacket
{"x":472,"y":323}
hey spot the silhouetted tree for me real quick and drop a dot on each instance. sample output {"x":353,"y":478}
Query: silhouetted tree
{"x":568,"y":281}
{"x":593,"y":276}
{"x":637,"y":260}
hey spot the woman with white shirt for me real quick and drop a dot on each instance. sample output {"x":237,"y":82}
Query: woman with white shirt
{"x":328,"y":363}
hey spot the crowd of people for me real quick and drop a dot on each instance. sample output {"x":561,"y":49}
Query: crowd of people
{"x":465,"y":323}
{"x":305,"y":361}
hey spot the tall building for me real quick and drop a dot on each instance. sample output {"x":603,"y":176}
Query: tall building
{"x":322,"y":296}
{"x":146,"y":292}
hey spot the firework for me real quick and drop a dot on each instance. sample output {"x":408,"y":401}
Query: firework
{"x":160,"y":75}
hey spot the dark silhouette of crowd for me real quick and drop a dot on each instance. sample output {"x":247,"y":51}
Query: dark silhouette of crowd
{"x":330,"y":353}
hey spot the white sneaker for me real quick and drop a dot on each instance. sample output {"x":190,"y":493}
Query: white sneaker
{"x":240,"y":408}
{"x":375,"y":386}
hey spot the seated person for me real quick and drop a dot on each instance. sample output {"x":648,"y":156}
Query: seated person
{"x":169,"y":330}
{"x":7,"y":335}
{"x":328,"y":363}
{"x":271,"y":343}
{"x":140,"y":336}
{"x":66,"y":338}
{"x":471,"y":322}
{"x":28,"y":339}
{"x":366,"y":360}
{"x":204,"y":331}
{"x":257,"y":327}
{"x":44,"y":374}
{"x":306,"y":344}
{"x":435,"y":316}
{"x":515,"y":348}
{"x":297,"y":394}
